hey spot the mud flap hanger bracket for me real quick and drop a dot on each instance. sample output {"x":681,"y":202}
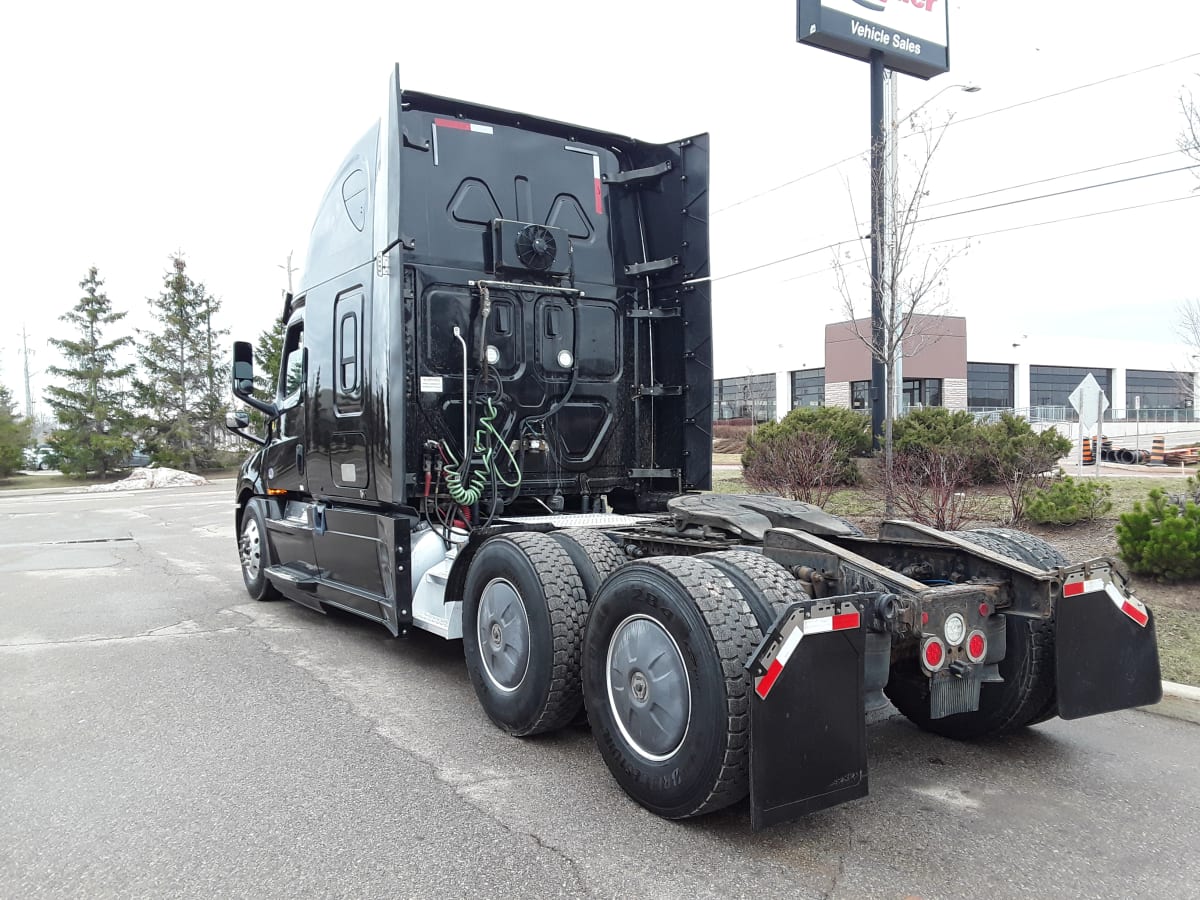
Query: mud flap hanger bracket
{"x":808,"y":742}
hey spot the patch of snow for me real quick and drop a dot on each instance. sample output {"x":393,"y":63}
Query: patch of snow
{"x":142,"y":479}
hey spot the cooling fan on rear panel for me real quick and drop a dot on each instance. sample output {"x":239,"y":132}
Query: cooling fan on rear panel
{"x":536,"y":247}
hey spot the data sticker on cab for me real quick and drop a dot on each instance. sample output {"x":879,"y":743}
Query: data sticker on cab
{"x":431,"y":384}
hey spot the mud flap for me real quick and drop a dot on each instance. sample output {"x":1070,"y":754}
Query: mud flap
{"x":1106,"y":651}
{"x":808,"y":737}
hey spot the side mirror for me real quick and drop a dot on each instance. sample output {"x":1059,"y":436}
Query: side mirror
{"x":243,"y":379}
{"x":243,"y":368}
{"x":237,"y":422}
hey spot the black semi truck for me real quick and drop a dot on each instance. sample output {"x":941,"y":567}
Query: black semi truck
{"x":492,"y":422}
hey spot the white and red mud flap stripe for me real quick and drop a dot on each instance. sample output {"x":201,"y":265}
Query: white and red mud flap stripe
{"x":1131,"y":606}
{"x":819,"y":625}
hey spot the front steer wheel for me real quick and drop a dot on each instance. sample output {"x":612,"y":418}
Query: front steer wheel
{"x":254,"y":553}
{"x":523,"y":614}
{"x":667,"y":695}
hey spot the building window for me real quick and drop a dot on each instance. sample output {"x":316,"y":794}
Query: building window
{"x":1150,"y":390}
{"x":860,"y":394}
{"x":748,"y":397}
{"x":808,"y":388}
{"x":922,"y":392}
{"x":1051,"y":386}
{"x":990,"y":386}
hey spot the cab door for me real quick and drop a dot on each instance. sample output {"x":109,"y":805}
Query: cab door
{"x":291,"y":521}
{"x":285,"y":469}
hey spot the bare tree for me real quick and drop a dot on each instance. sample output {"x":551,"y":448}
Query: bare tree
{"x":1189,"y":138}
{"x":912,"y":278}
{"x":1187,"y":322}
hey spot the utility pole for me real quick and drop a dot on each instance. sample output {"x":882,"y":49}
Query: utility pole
{"x":28,"y":377}
{"x":288,"y":268}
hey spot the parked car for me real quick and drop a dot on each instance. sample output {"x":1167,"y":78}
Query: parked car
{"x":135,"y":459}
{"x":40,"y":457}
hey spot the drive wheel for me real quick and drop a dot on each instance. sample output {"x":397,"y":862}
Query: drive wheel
{"x":254,"y":553}
{"x":666,"y":689}
{"x":767,"y":586}
{"x":1040,"y":554}
{"x":523,"y":613}
{"x":1027,"y":695}
{"x":595,"y":556}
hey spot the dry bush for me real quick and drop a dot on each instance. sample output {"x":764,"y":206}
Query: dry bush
{"x":802,"y":465}
{"x":932,"y":487}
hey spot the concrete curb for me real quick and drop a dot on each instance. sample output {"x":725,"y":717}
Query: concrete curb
{"x":1180,"y":701}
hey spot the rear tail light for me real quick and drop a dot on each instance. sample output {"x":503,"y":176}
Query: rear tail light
{"x":976,"y":646}
{"x":933,"y":654}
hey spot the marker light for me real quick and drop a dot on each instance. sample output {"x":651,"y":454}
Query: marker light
{"x":565,"y":359}
{"x":492,"y":354}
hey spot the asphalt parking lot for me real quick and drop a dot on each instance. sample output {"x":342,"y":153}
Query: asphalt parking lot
{"x":165,"y":736}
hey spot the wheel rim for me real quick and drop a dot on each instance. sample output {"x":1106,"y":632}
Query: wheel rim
{"x":503,"y":631}
{"x":251,"y":548}
{"x":648,"y":688}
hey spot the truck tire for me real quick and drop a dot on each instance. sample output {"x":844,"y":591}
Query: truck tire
{"x":767,"y":586}
{"x":254,"y":553}
{"x":1028,"y":693}
{"x":854,"y":529}
{"x":1035,"y":551}
{"x":671,"y":635}
{"x":594,"y":555}
{"x":523,"y":614}
{"x":1028,"y":548}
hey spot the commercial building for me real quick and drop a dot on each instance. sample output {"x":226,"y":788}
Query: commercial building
{"x":1033,"y":375}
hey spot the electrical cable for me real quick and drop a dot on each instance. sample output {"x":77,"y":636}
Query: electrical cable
{"x":958,"y":121}
{"x":1014,"y":187}
{"x":980,"y":234}
{"x":963,"y":212}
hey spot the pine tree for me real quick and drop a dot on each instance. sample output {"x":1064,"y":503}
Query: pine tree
{"x":268,"y":351}
{"x":14,"y":434}
{"x":214,"y":398}
{"x":92,"y":407}
{"x":183,"y":372}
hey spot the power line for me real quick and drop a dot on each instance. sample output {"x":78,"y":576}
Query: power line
{"x":1074,"y":190}
{"x":1079,"y":87}
{"x":959,"y":121}
{"x":981,"y":234}
{"x":1014,"y":187}
{"x":963,"y":212}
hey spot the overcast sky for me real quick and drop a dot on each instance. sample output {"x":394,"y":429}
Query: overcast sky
{"x":133,"y":130}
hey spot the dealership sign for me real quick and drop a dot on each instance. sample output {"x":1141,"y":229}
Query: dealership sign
{"x":912,"y":35}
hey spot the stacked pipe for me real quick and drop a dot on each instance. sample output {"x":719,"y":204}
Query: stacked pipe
{"x":1130,"y":457}
{"x":1106,"y":450}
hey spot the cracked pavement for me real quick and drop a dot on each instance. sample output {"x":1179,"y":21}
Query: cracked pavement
{"x":164,"y":736}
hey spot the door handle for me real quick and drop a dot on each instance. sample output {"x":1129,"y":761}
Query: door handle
{"x":300,"y":458}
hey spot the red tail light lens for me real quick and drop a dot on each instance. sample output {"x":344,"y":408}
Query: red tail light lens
{"x":933,"y":654}
{"x":976,"y":646}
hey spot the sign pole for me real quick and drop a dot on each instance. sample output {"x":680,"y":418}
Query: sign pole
{"x":879,"y":387}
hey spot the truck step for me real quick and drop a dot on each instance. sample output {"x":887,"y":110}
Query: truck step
{"x":292,"y":576}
